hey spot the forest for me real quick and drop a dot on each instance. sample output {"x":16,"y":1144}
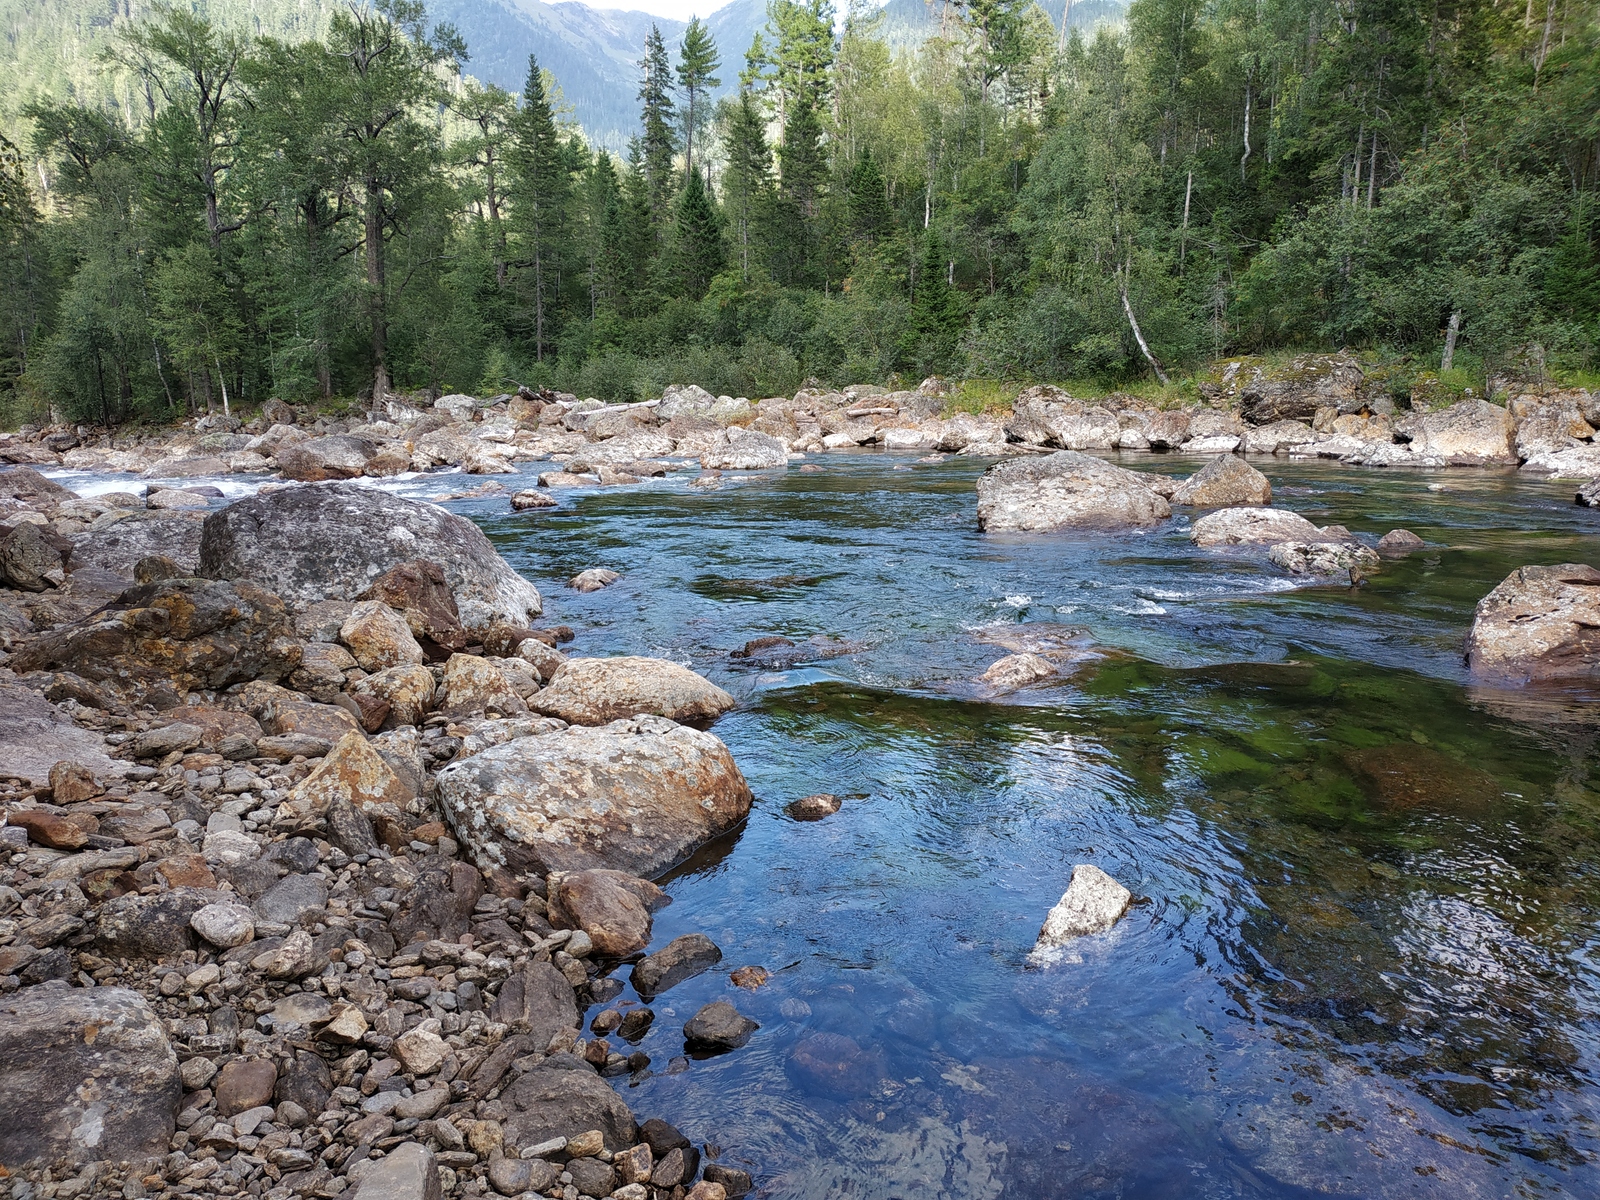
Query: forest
{"x":354,"y":214}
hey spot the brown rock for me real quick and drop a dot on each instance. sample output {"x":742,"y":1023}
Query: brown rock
{"x":326,"y":722}
{"x":47,"y":828}
{"x":408,"y":690}
{"x":71,"y":782}
{"x":1398,"y":543}
{"x":749,"y":977}
{"x":244,"y":1083}
{"x":814,"y":808}
{"x":1224,"y":481}
{"x":369,"y":711}
{"x":186,"y":870}
{"x":612,"y":907}
{"x":593,"y":691}
{"x":218,"y":724}
{"x":379,"y":637}
{"x":1539,"y":623}
{"x":419,"y":592}
{"x":474,"y":685}
{"x":354,"y":772}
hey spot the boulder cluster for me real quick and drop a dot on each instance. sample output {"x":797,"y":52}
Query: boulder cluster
{"x":316,"y":852}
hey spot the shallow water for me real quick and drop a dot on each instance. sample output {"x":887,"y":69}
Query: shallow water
{"x":1363,"y":959}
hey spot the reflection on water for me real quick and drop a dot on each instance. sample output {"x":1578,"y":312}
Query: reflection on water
{"x":1363,"y":957}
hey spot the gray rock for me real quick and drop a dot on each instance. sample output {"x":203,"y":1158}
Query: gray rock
{"x":594,"y":691}
{"x":136,"y":926}
{"x":1066,"y":490}
{"x":1296,"y":392}
{"x":1539,"y":623}
{"x":86,"y":1074}
{"x":1321,"y":558}
{"x":34,"y":736}
{"x":635,"y":796}
{"x":165,"y":739}
{"x":1471,"y":433}
{"x":1252,"y":526}
{"x":1398,"y":543}
{"x":680,"y":959}
{"x":291,"y":897}
{"x":593,"y":579}
{"x":29,"y":560}
{"x":735,"y":1183}
{"x":563,"y":1097}
{"x":737,"y":449}
{"x":718,"y":1026}
{"x":592,"y":1177}
{"x":118,"y":547}
{"x":1092,"y":903}
{"x":336,"y":456}
{"x":1222,"y":482}
{"x":227,"y":925}
{"x":408,"y":1172}
{"x":538,"y":1002}
{"x":331,"y":541}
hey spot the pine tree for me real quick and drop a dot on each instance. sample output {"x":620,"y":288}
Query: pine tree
{"x":747,"y":179}
{"x":697,"y":59}
{"x":870,"y":216}
{"x":539,"y":197}
{"x":935,"y":309}
{"x":698,"y":238}
{"x":658,"y":145}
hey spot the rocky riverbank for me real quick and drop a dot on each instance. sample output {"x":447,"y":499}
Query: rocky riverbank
{"x":307,"y":890}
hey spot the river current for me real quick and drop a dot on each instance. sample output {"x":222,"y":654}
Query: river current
{"x":1363,"y":957}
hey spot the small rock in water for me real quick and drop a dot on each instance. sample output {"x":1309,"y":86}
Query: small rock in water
{"x":718,"y":1027}
{"x":1092,"y":903}
{"x":1018,"y":670}
{"x":814,"y":808}
{"x":749,"y":977}
{"x":1397,"y":543}
{"x":530,"y":498}
{"x":593,"y":579}
{"x":1321,"y":558}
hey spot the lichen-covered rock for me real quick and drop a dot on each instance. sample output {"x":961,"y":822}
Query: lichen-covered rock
{"x":379,"y":637}
{"x":188,"y":633}
{"x":1046,"y":416}
{"x":1296,"y":392}
{"x":636,"y":795}
{"x":1539,"y":623}
{"x":419,"y":592}
{"x":1223,"y":482}
{"x":336,"y":456}
{"x":30,"y":560}
{"x":1277,"y":438}
{"x":1252,"y":526}
{"x":86,"y":1074}
{"x":1321,"y":558}
{"x":332,"y":541}
{"x":737,"y":449}
{"x":1092,"y":903}
{"x":473,"y":685}
{"x":1471,"y":433}
{"x":408,"y":691}
{"x":593,"y":691}
{"x":118,"y":547}
{"x":352,"y":771}
{"x":1066,"y":490}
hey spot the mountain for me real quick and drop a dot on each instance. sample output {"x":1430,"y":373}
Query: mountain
{"x":908,"y":23}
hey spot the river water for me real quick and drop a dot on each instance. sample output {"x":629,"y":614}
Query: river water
{"x":1362,"y":960}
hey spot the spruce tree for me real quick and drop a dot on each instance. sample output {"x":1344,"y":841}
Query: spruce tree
{"x":870,"y":216}
{"x":697,"y":59}
{"x":657,"y":144}
{"x":935,"y":309}
{"x":539,"y":195}
{"x":747,"y":179}
{"x":698,"y":238}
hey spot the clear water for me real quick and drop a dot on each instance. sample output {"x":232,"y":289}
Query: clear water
{"x":1363,"y":958}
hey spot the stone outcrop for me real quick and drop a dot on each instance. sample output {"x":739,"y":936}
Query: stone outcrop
{"x":737,"y":449}
{"x":118,"y":547}
{"x":636,"y":796}
{"x":1472,"y":433}
{"x":593,"y":691}
{"x":1296,"y":392}
{"x":1066,"y":490}
{"x":332,"y":541}
{"x":1539,"y":623}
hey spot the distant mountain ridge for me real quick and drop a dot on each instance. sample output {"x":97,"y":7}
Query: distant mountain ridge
{"x":49,"y":47}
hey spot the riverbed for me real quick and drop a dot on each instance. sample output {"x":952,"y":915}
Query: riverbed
{"x":1362,"y":957}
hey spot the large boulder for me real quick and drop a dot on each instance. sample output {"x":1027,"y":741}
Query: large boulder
{"x":737,"y":449}
{"x":86,"y":1074}
{"x":1296,"y":392}
{"x":635,"y":796}
{"x":35,"y":735}
{"x":190,"y":633}
{"x":31,"y":560}
{"x":1252,"y":527}
{"x":337,"y":456}
{"x":1472,"y":433}
{"x":1223,"y":482}
{"x":1540,"y":623}
{"x":23,"y":487}
{"x":1047,"y":416}
{"x":117,"y":547}
{"x":332,"y":541}
{"x":1065,"y":490}
{"x":563,"y":1097}
{"x":593,"y":691}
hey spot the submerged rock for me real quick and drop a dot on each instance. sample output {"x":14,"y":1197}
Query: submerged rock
{"x":1539,"y":623}
{"x":1398,"y":543}
{"x":1222,"y":482}
{"x":1092,"y":903}
{"x":593,"y":579}
{"x":813,"y":808}
{"x":636,"y":795}
{"x":718,"y":1026}
{"x":592,"y":691}
{"x":1065,"y":490}
{"x":1018,"y":670}
{"x":1252,"y":526}
{"x":680,"y":959}
{"x":332,"y":541}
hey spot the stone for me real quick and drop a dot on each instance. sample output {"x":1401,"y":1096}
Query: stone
{"x":302,"y":1008}
{"x":245,"y":1083}
{"x":121,"y":546}
{"x":635,"y":796}
{"x":286,"y":901}
{"x":172,"y":738}
{"x":593,"y":691}
{"x":1470,"y":433}
{"x":1252,"y":526}
{"x":834,"y":1065}
{"x":592,"y":1177}
{"x":531,"y":498}
{"x":72,"y":782}
{"x":1066,"y":490}
{"x":139,"y":926}
{"x":379,"y":637}
{"x":735,"y":1183}
{"x":226,"y":925}
{"x":324,"y":724}
{"x":634,"y":1164}
{"x":86,"y":1074}
{"x":296,"y":958}
{"x":513,"y":1176}
{"x":1296,"y":392}
{"x":419,"y":592}
{"x":345,"y":1025}
{"x":674,"y":1168}
{"x":1018,"y":670}
{"x":1224,"y":481}
{"x":30,"y":560}
{"x":407,"y":690}
{"x":305,"y":1081}
{"x":320,"y":674}
{"x":171,"y":498}
{"x":1092,"y":903}
{"x":749,"y":978}
{"x":407,"y":1172}
{"x":736,"y":449}
{"x":46,"y":828}
{"x":680,"y":959}
{"x":563,"y":1097}
{"x":593,"y":579}
{"x":1322,"y":558}
{"x":814,"y":808}
{"x":1278,"y":437}
{"x":332,"y":541}
{"x":336,"y":456}
{"x":422,"y":1050}
{"x":473,"y":685}
{"x":352,"y":771}
{"x":27,"y":488}
{"x":1540,"y":623}
{"x":718,"y":1026}
{"x":536,"y":1001}
{"x":35,"y":736}
{"x":612,"y":907}
{"x":707,"y":1189}
{"x":1398,"y":543}
{"x":187,"y":634}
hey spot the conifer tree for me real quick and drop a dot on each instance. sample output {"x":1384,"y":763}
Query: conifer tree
{"x":697,"y":59}
{"x":657,"y":143}
{"x":747,"y":180}
{"x":698,"y":238}
{"x":540,"y":196}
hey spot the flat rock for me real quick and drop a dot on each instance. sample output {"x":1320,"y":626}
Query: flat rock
{"x":1092,"y":903}
{"x":564,"y":1099}
{"x":286,"y":901}
{"x":594,"y":691}
{"x":331,"y":541}
{"x":1066,"y":490}
{"x":718,"y":1026}
{"x":1252,"y":526}
{"x":1224,"y":481}
{"x":536,"y":1001}
{"x":736,"y":449}
{"x":120,"y":546}
{"x":680,"y":959}
{"x":407,"y":1172}
{"x":35,"y":735}
{"x":1321,"y":558}
{"x":636,"y":796}
{"x":1541,"y":622}
{"x":86,"y":1074}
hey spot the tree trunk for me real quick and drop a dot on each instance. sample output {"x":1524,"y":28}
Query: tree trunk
{"x":1452,"y":331}
{"x":1133,"y":323}
{"x":1183,"y":238}
{"x":1244,"y":159}
{"x":380,"y":328}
